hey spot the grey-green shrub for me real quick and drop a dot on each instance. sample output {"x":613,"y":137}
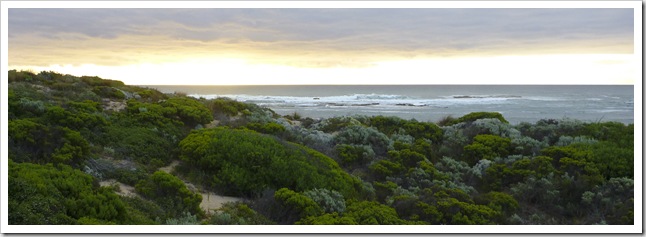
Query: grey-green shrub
{"x":568,"y":140}
{"x":359,"y":135}
{"x":331,"y":201}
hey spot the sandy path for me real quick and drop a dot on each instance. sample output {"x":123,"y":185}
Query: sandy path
{"x":124,"y":189}
{"x":210,"y":200}
{"x":170,"y":168}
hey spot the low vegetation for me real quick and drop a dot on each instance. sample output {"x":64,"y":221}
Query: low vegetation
{"x":68,"y":135}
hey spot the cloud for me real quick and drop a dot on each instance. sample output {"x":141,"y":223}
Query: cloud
{"x":308,"y":37}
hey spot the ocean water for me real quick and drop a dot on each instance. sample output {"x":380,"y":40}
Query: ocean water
{"x":517,"y":103}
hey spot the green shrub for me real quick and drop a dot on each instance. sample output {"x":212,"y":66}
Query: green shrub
{"x":327,"y":219}
{"x":151,"y":95}
{"x":185,"y":219}
{"x":44,"y":194}
{"x":354,"y":155}
{"x":373,"y":213}
{"x":16,"y":76}
{"x":226,"y":106}
{"x":359,"y":135}
{"x":471,"y":117}
{"x":387,"y":125}
{"x":188,"y":110}
{"x":331,"y":201}
{"x":141,"y":144}
{"x":97,"y":81}
{"x":267,"y":128}
{"x":358,"y":213}
{"x":486,"y":147}
{"x":236,"y":213}
{"x":33,"y":142}
{"x":171,"y":194}
{"x":244,"y":163}
{"x":109,"y":92}
{"x":336,"y":124}
{"x":295,"y":206}
{"x":142,"y":211}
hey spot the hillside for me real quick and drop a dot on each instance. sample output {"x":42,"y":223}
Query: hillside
{"x":86,"y":150}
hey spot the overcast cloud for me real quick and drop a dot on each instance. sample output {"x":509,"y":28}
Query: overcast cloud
{"x":309,"y":37}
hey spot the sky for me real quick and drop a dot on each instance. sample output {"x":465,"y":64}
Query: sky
{"x":237,"y":46}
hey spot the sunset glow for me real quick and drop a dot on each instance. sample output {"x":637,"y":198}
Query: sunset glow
{"x":238,"y":46}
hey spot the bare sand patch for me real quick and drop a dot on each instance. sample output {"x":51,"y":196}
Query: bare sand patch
{"x":124,"y":189}
{"x":170,"y":168}
{"x":213,"y":124}
{"x":113,"y":105}
{"x":210,"y":200}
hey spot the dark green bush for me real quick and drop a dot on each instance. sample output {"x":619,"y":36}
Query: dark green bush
{"x":16,"y":76}
{"x":486,"y":147}
{"x":33,"y":142}
{"x":170,"y":193}
{"x":97,"y":81}
{"x":44,"y":194}
{"x":109,"y":92}
{"x":236,"y":213}
{"x":188,"y":110}
{"x":354,"y":155}
{"x":470,"y":117}
{"x":267,"y":128}
{"x":244,"y":163}
{"x":141,"y":144}
{"x":226,"y":106}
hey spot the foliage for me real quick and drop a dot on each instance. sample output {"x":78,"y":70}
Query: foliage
{"x":612,"y":202}
{"x":185,"y":219}
{"x":620,"y":134}
{"x":406,"y":158}
{"x":494,"y":126}
{"x":142,"y":211}
{"x":121,"y":170}
{"x":188,"y":110}
{"x":336,"y":124}
{"x":372,"y":213}
{"x":327,"y":219}
{"x":109,"y":92}
{"x":550,"y":130}
{"x":438,"y":205}
{"x":144,"y":145}
{"x":476,"y":169}
{"x":486,"y":147}
{"x":331,"y":201}
{"x":226,"y":106}
{"x":471,"y":117}
{"x":385,"y":168}
{"x":243,"y":163}
{"x":45,"y":194}
{"x":358,"y":213}
{"x":612,"y":160}
{"x":267,"y":128}
{"x":236,"y":213}
{"x":354,"y":155}
{"x":295,"y":206}
{"x":171,"y":194}
{"x":360,"y":135}
{"x":34,"y":142}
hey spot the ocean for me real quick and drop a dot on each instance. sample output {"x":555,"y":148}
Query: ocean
{"x":517,"y":103}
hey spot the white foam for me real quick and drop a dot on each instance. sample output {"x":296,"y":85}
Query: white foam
{"x":370,"y":100}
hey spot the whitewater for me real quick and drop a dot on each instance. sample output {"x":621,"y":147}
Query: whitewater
{"x":517,"y":103}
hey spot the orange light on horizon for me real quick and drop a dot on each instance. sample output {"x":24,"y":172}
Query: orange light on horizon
{"x":535,"y":69}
